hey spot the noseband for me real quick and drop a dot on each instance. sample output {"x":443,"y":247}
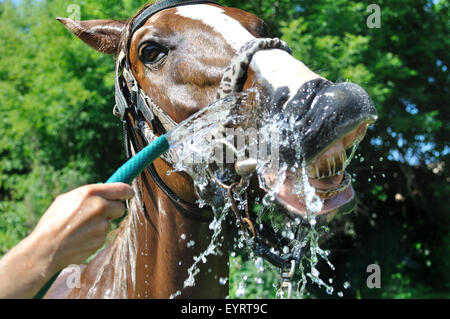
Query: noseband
{"x":137,"y":110}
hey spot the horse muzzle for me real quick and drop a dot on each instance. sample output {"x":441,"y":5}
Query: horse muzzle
{"x":326,"y":122}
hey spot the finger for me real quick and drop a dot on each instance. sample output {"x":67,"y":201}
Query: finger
{"x":114,"y":191}
{"x":114,"y":209}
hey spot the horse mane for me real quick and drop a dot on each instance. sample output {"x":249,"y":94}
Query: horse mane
{"x":119,"y":262}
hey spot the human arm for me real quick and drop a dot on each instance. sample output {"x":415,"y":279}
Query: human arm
{"x":72,"y":229}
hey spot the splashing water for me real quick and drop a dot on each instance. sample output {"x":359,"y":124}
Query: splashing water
{"x":202,"y":157}
{"x":211,"y":250}
{"x":204,"y":149}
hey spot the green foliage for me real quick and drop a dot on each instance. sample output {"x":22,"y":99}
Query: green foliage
{"x":56,"y":98}
{"x":56,"y":105}
{"x":249,"y":281}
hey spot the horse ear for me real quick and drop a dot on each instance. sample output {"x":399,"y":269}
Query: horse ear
{"x":102,"y":35}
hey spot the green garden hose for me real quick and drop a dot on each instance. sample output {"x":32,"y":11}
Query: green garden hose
{"x":134,"y":166}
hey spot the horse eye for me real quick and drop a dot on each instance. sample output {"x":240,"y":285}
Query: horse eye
{"x":152,"y":53}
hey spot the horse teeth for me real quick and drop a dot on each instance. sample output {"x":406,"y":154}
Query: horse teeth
{"x":333,"y":162}
{"x":328,"y":166}
{"x":312,"y":170}
{"x":317,"y":171}
{"x":323,"y":164}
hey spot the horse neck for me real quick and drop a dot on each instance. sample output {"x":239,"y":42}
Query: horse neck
{"x":167,"y":243}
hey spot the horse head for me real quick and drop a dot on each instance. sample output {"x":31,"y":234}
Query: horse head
{"x":184,"y":57}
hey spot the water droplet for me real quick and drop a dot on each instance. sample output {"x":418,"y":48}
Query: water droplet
{"x":340,"y":294}
{"x":190,"y":244}
{"x":259,"y":264}
{"x":346,"y":285}
{"x":240,"y":292}
{"x":223,"y":281}
{"x":183,"y":236}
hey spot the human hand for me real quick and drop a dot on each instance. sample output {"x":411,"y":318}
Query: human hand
{"x":76,"y":225}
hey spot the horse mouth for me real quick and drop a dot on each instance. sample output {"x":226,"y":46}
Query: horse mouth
{"x":326,"y":174}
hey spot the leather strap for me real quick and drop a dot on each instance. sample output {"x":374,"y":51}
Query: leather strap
{"x":140,"y":19}
{"x":188,"y":210}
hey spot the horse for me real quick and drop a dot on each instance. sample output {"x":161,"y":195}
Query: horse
{"x":173,"y":59}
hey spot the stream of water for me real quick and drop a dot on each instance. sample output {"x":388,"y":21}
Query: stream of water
{"x":206,"y":156}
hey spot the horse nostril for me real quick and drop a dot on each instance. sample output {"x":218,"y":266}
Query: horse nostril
{"x":351,"y":103}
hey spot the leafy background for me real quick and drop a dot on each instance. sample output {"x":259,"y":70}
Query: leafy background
{"x":57,"y":129}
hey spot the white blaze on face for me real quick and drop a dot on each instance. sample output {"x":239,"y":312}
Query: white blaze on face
{"x":277,"y":67}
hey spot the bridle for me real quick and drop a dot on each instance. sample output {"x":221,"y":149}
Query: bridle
{"x":136,"y":109}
